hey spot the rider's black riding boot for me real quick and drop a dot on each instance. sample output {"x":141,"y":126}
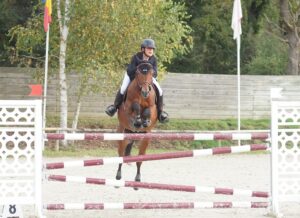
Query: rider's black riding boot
{"x":162,"y":115}
{"x":112,"y":109}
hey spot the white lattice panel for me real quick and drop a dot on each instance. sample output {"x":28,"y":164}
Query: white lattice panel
{"x":289,"y":116}
{"x":288,"y":135}
{"x":17,"y":152}
{"x":20,"y":115}
{"x":20,"y":152}
{"x":12,"y":190}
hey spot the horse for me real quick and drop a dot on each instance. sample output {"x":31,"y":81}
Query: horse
{"x":137,"y":113}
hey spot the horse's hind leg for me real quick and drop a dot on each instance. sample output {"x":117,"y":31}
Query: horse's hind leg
{"x":124,"y":149}
{"x":119,"y":172}
{"x":129,"y":145}
{"x":121,"y":149}
{"x":142,"y":151}
{"x":121,"y":152}
{"x":128,"y":148}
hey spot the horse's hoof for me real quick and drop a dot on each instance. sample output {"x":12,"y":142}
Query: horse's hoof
{"x":137,"y":179}
{"x":118,"y":176}
{"x":137,"y":124}
{"x":146,"y":123}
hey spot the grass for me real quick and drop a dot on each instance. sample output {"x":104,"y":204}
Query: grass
{"x":95,"y":148}
{"x":174,"y":124}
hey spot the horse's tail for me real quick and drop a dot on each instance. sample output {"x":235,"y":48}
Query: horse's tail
{"x":128,"y":148}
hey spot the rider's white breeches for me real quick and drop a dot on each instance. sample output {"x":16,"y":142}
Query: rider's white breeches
{"x":126,"y":82}
{"x":157,"y":86}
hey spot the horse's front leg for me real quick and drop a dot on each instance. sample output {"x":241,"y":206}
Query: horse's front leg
{"x":146,"y":117}
{"x":142,"y":150}
{"x":136,"y":108}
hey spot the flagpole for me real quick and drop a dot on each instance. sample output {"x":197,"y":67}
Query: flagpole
{"x":46,"y":79}
{"x":239,"y":82}
{"x":237,"y":16}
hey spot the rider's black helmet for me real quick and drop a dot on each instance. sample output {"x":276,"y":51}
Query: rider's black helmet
{"x":148,"y":43}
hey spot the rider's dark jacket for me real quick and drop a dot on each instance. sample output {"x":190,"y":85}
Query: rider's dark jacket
{"x":136,"y":60}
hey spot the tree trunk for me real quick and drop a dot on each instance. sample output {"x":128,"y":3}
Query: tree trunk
{"x":63,"y":88}
{"x":294,"y":48}
{"x":64,"y":31}
{"x":291,"y":33}
{"x":77,"y":112}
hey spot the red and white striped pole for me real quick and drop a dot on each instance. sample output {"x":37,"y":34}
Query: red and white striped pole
{"x":181,"y":188}
{"x":151,"y":157}
{"x":157,"y":136}
{"x":177,"y":205}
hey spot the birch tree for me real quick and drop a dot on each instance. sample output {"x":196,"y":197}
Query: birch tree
{"x":63,"y":15}
{"x":97,"y":38}
{"x":109,"y":32}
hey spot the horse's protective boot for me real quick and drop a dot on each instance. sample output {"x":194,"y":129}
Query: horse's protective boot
{"x":163,"y":116}
{"x":112,"y":109}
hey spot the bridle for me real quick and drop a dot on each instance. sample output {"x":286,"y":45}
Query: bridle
{"x":143,"y":83}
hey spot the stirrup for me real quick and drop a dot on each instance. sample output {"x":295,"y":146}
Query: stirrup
{"x":163,"y":117}
{"x":111,"y":110}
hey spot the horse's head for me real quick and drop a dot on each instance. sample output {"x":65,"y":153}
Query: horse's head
{"x":143,"y":77}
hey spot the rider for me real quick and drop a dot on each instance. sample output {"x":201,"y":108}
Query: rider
{"x":145,"y":55}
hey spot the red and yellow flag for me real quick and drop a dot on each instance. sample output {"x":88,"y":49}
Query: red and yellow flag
{"x":47,"y":14}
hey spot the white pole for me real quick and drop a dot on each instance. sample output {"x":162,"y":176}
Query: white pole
{"x":45,"y":84}
{"x":46,"y":78}
{"x":274,"y":159}
{"x":238,"y":83}
{"x":39,"y":145}
{"x":275,"y":94}
{"x":237,"y":16}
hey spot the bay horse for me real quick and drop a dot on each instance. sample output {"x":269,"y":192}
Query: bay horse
{"x":137,"y":113}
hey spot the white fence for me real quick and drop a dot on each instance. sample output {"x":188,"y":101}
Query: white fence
{"x":21,"y":153}
{"x":22,"y":140}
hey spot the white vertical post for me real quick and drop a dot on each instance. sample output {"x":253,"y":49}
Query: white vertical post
{"x":46,"y":79}
{"x":38,"y":146}
{"x":275,"y":93}
{"x":274,"y":159}
{"x":236,"y":25}
{"x":239,"y":85}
